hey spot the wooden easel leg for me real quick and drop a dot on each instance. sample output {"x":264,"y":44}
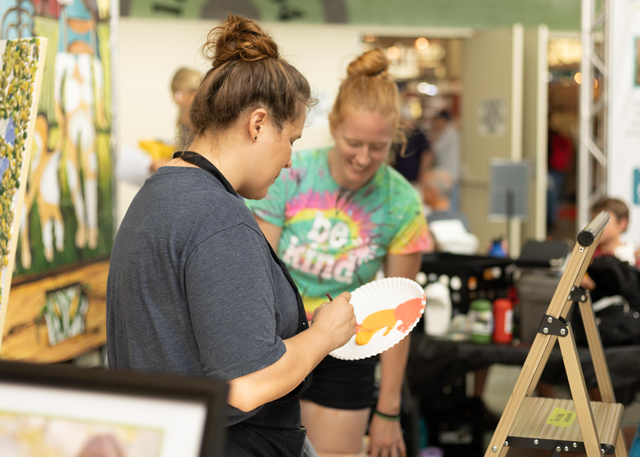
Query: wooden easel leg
{"x":621,"y":445}
{"x":543,"y":363}
{"x":579,"y":394}
{"x":528,"y":373}
{"x":597,"y":352}
{"x":547,"y":352}
{"x":600,"y":364}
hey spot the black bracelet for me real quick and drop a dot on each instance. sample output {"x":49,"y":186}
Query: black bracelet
{"x":386,"y":416}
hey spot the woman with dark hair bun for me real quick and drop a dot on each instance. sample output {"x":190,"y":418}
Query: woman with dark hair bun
{"x":194,"y":287}
{"x":337,"y":217}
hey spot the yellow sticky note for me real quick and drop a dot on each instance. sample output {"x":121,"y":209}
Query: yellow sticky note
{"x":561,"y":417}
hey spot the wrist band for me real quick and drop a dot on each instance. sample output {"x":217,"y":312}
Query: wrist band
{"x":386,"y":416}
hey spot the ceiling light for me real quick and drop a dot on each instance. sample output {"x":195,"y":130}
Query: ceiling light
{"x":422,"y":43}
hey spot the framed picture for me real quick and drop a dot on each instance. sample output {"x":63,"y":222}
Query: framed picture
{"x":74,"y":412}
{"x":508,"y":190}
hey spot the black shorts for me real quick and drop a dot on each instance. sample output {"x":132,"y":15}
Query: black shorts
{"x":343,"y":384}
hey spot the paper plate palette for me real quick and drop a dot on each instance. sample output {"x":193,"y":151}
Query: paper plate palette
{"x":386,"y":311}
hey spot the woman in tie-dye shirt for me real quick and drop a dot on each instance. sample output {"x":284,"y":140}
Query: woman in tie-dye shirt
{"x":337,"y":217}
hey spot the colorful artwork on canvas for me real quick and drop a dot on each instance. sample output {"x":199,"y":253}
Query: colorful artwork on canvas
{"x":20,"y":75}
{"x":43,"y":436}
{"x":68,"y":214}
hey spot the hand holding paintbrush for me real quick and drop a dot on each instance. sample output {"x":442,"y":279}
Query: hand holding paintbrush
{"x":337,"y":318}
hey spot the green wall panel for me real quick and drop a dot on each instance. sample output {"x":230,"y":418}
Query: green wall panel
{"x":557,"y":14}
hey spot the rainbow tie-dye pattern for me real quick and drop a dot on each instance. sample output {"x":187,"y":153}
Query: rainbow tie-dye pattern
{"x":335,"y":239}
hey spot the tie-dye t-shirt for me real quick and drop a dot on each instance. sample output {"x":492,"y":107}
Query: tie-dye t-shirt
{"x":335,"y":239}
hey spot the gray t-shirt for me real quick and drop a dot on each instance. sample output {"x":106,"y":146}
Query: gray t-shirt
{"x":193,"y":289}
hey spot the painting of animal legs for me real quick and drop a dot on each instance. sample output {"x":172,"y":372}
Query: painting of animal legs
{"x":40,"y":139}
{"x":49,"y":205}
{"x":45,"y":190}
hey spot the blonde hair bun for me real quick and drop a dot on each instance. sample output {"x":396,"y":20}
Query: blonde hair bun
{"x":371,"y":63}
{"x":239,"y":38}
{"x":368,"y":87}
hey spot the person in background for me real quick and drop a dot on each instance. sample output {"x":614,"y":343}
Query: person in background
{"x":437,"y":187}
{"x":194,"y":288}
{"x":136,"y":164}
{"x":560,"y":159}
{"x":184,"y":85}
{"x":614,"y":282}
{"x":336,"y":217}
{"x":446,"y":146}
{"x":450,"y":228}
{"x":417,"y":157}
{"x":610,"y":241}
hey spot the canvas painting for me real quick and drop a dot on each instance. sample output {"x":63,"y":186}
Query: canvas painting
{"x":68,"y":214}
{"x":20,"y":78}
{"x":66,"y":411}
{"x":32,"y":435}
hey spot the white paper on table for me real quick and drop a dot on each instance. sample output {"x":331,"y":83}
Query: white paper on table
{"x":452,"y":236}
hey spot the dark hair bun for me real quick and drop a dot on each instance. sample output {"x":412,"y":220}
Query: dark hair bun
{"x":239,"y":38}
{"x":371,"y":63}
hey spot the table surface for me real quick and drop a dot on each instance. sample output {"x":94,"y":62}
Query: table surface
{"x":435,"y":363}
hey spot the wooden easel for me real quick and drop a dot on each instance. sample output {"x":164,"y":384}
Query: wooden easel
{"x":558,"y":425}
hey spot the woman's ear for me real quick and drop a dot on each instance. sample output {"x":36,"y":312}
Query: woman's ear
{"x":257,"y":122}
{"x":623,"y":224}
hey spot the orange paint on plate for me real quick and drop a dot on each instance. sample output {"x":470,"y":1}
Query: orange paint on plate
{"x":406,"y":312}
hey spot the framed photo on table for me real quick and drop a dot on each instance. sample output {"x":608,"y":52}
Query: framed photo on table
{"x":74,"y":412}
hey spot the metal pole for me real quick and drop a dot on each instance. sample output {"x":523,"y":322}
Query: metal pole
{"x":586,"y":92}
{"x":604,"y":94}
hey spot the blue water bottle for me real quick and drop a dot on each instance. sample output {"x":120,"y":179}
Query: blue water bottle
{"x":497,"y":249}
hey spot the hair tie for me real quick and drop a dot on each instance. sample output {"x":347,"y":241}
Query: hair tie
{"x":387,"y":417}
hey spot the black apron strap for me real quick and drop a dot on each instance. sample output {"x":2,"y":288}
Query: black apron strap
{"x":200,"y":162}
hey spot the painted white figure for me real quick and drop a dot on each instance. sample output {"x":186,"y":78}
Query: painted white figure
{"x":45,"y":189}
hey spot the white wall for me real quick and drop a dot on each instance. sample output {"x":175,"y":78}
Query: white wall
{"x":151,"y":50}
